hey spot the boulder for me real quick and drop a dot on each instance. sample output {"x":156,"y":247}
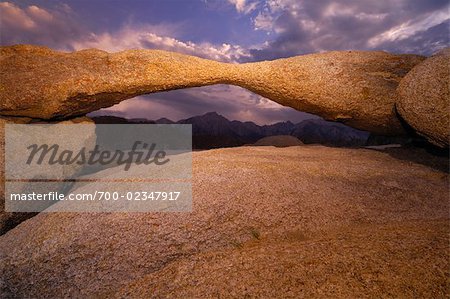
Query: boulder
{"x":424,"y":98}
{"x":297,"y":222}
{"x":279,"y":141}
{"x":357,"y":88}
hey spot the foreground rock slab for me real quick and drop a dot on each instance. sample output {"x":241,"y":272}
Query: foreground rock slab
{"x":424,"y":98}
{"x":354,"y":262}
{"x":286,"y":222}
{"x":357,"y":88}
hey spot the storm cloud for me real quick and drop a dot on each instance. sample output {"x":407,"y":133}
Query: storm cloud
{"x":402,"y":26}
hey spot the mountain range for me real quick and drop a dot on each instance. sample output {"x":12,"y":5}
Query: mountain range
{"x":213,"y":130}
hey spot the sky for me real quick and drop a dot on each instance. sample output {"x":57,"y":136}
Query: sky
{"x":233,"y":31}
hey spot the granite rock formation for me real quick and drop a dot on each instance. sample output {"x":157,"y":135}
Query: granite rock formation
{"x":357,"y":88}
{"x":353,"y":87}
{"x":38,"y":82}
{"x":424,"y":98}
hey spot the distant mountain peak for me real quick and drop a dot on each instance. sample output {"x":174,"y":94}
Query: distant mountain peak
{"x":208,"y":117}
{"x":164,"y":120}
{"x":212,"y":113}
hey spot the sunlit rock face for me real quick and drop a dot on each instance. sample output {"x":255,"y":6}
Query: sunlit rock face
{"x":354,"y":87}
{"x":41,"y":83}
{"x":424,"y":98}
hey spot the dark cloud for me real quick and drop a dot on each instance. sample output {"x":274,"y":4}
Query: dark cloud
{"x":426,"y":42}
{"x":304,"y":27}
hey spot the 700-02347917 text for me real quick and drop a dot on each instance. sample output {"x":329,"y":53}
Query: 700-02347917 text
{"x":98,"y":195}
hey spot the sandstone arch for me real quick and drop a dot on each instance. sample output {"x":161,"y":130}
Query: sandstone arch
{"x":354,"y":87}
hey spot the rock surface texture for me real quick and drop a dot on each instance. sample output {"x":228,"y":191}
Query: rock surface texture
{"x":424,"y":98}
{"x":357,"y":88}
{"x":320,"y":222}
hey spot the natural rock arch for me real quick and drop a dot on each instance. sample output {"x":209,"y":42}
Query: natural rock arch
{"x":354,"y":87}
